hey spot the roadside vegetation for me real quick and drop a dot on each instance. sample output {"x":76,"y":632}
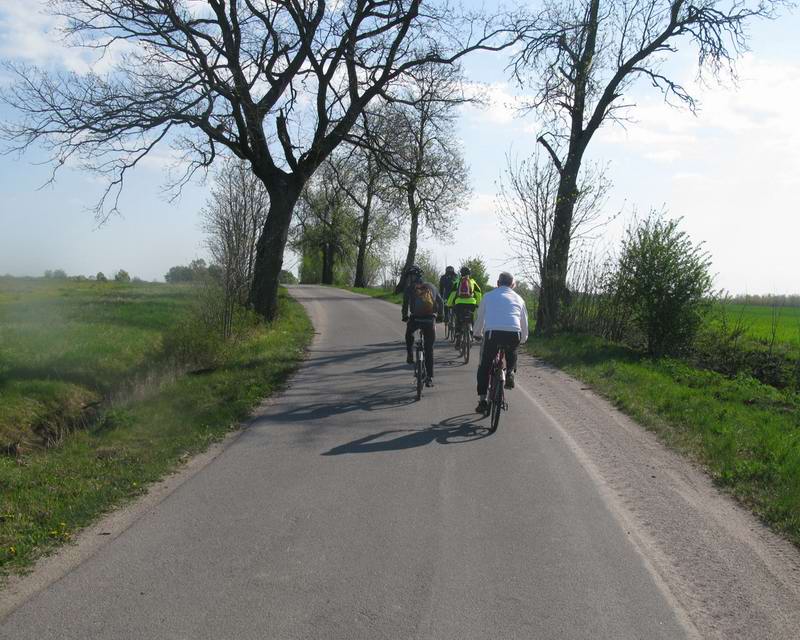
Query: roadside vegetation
{"x":382,"y":294}
{"x":68,"y":346}
{"x":718,"y":379}
{"x":745,"y":433}
{"x":107,"y":387}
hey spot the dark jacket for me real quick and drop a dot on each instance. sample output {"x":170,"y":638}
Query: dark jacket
{"x":437,"y":301}
{"x":446,"y":283}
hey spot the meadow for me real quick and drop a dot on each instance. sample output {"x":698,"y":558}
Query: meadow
{"x":758,"y":321}
{"x":88,"y":360}
{"x":67,"y":346}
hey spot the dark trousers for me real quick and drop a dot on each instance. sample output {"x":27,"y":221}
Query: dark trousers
{"x":464,"y":313}
{"x":428,"y":337}
{"x":492,"y":341}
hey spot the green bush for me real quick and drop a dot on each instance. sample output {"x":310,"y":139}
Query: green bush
{"x":212,"y":328}
{"x":287,"y":277}
{"x":663,"y":281}
{"x":122,"y":276}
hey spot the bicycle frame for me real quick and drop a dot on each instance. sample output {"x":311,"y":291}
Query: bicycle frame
{"x":420,"y":372}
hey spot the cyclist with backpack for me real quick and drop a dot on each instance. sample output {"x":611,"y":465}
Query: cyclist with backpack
{"x":464,"y":297}
{"x":422,"y":307}
{"x":446,"y":283}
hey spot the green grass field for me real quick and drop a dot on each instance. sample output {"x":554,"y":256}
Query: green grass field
{"x":66,"y":345}
{"x":95,"y":336}
{"x":757,"y":321}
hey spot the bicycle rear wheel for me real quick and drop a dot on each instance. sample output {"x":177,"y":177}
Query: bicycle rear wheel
{"x":419,"y":373}
{"x":496,"y":406}
{"x":467,"y":344}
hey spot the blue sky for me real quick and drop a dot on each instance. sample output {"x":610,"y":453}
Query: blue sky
{"x":732,"y":172}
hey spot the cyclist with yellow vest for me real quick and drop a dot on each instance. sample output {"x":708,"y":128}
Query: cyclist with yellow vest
{"x":464,"y":299}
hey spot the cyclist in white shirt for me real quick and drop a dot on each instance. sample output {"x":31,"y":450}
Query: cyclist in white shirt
{"x":502,"y":321}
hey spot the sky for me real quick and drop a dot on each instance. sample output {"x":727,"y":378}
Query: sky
{"x":731,"y":172}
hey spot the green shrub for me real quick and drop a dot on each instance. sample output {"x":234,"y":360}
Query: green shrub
{"x":663,"y":281}
{"x":287,"y":277}
{"x":209,"y":331}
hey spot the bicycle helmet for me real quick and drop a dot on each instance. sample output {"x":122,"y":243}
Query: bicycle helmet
{"x":465,"y":271}
{"x":450,"y":270}
{"x":414,"y":271}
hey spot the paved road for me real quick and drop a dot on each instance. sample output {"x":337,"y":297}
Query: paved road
{"x":348,"y":510}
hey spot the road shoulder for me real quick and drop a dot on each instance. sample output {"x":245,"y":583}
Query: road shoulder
{"x":733,"y":576}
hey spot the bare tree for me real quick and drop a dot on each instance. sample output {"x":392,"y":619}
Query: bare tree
{"x":276,"y":82}
{"x":422,"y":153}
{"x":232,"y":219}
{"x":360,"y":174}
{"x":582,"y":56}
{"x":526,"y":204}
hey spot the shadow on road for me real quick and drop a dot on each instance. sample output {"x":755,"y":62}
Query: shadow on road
{"x":391,"y":398}
{"x":455,"y":430}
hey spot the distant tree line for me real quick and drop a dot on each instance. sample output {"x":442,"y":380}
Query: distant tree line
{"x":120,"y":276}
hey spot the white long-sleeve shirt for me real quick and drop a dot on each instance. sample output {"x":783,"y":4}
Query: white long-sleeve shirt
{"x":502,"y":310}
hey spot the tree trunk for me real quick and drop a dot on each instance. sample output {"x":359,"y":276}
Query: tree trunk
{"x":412,"y":241}
{"x":363,"y":236}
{"x":554,"y":277}
{"x":327,"y":263}
{"x":283,"y":195}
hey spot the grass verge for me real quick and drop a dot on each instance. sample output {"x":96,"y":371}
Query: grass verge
{"x":47,"y":496}
{"x":746,"y":434}
{"x":381,"y":294}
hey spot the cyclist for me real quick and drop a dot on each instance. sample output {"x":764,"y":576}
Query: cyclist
{"x":422,"y":308}
{"x":503,"y":322}
{"x":446,"y":283}
{"x":464,"y":298}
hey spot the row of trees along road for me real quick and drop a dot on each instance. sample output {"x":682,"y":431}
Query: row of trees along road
{"x":401,"y":168}
{"x":282,"y":84}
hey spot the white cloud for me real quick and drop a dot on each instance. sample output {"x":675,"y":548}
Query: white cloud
{"x":760,"y":110}
{"x":502,"y":104}
{"x":31,"y":34}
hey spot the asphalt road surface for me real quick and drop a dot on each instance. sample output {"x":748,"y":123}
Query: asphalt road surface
{"x":349,"y":510}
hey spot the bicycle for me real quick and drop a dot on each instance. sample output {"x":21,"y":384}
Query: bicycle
{"x":420,"y":372}
{"x":463,"y":340}
{"x":496,"y":392}
{"x":450,"y":327}
{"x":447,"y":325}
